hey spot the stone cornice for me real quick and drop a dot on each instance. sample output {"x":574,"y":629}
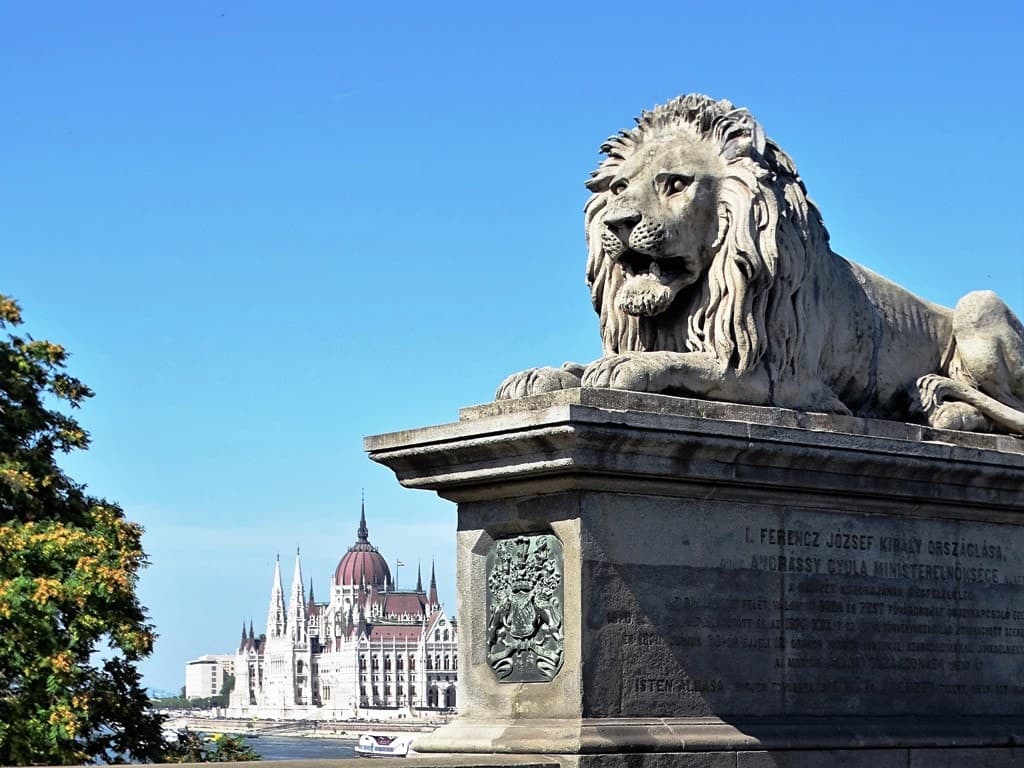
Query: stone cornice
{"x":580,"y":438}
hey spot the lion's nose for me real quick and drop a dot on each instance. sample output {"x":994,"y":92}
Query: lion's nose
{"x":622,"y":224}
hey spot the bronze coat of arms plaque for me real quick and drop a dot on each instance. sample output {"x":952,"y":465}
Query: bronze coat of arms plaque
{"x":525,"y":642}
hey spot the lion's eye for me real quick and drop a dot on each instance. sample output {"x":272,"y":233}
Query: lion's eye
{"x":676,"y":183}
{"x":619,"y":187}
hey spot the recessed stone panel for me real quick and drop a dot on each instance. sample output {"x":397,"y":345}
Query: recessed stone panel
{"x":758,"y":610}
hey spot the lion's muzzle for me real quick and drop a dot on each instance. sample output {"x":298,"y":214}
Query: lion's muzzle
{"x":651,"y":280}
{"x":621,"y":225}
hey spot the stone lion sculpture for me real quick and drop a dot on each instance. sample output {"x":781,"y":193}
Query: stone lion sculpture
{"x":711,"y":271}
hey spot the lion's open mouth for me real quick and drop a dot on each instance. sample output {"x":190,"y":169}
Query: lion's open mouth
{"x":666,"y":271}
{"x":651,"y":284}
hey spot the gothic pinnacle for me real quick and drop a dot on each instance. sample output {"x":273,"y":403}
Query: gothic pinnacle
{"x":363,"y":534}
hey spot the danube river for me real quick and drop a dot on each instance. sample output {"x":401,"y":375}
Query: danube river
{"x":301,"y":748}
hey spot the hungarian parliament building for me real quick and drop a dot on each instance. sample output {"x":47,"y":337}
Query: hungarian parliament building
{"x":372,"y":651}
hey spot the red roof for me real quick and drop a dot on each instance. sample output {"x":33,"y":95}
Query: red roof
{"x":362,"y":563}
{"x":360,"y":566}
{"x":391,"y":632}
{"x":398,"y":603}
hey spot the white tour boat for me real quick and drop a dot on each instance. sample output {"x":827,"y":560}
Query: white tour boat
{"x":383,"y":745}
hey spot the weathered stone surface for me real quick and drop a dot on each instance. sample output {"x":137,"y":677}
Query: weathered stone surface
{"x":712,"y":274}
{"x":767,"y":609}
{"x":655,"y":760}
{"x":895,"y":758}
{"x":424,"y":761}
{"x":958,"y":758}
{"x":552,"y":441}
{"x":479,"y":689}
{"x":742,"y":582}
{"x":875,"y":758}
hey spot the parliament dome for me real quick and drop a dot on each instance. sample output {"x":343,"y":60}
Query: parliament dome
{"x":362,"y":564}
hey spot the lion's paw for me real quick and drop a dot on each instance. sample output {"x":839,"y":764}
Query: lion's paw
{"x":621,"y":372}
{"x":537,"y":380}
{"x":955,"y":415}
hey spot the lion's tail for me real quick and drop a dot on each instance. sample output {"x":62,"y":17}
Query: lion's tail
{"x":937,"y":390}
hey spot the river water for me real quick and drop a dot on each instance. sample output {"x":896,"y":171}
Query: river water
{"x":302,"y":748}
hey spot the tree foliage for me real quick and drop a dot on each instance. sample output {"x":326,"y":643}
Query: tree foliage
{"x":227,"y":687}
{"x":194,"y":747}
{"x":71,"y":627}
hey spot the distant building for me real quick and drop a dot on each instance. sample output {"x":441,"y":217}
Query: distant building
{"x":372,"y":651}
{"x":204,"y":676}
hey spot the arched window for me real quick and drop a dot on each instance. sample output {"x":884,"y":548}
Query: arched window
{"x":412,"y":663}
{"x":455,"y":662}
{"x":400,"y":663}
{"x":447,"y":664}
{"x":437,"y":635}
{"x":298,"y":667}
{"x":446,"y":635}
{"x":437,"y":661}
{"x":429,"y":665}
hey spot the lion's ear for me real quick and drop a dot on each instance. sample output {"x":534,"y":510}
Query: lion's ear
{"x":757,"y":136}
{"x":751,"y":141}
{"x":598,"y":183}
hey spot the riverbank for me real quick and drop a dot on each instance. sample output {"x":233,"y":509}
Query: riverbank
{"x":333,"y":729}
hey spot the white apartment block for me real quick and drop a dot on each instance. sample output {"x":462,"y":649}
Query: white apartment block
{"x":204,"y":676}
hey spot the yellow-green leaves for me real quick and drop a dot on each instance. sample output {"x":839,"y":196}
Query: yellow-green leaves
{"x":71,"y":627}
{"x":10,"y":312}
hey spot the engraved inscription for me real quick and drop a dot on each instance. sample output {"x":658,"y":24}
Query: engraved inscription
{"x":525,"y":643}
{"x":818,"y":613}
{"x":876,"y":614}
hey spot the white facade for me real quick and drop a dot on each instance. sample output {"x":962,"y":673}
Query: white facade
{"x":204,"y":676}
{"x":371,"y":651}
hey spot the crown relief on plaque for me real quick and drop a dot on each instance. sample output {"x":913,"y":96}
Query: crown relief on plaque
{"x":525,"y":642}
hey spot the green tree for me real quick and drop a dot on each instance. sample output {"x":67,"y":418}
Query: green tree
{"x":193,"y":747}
{"x":71,"y":626}
{"x":223,"y":698}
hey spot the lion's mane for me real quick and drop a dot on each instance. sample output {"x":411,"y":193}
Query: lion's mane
{"x":770,"y":241}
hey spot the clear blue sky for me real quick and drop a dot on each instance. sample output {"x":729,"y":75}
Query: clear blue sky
{"x":267,"y":231}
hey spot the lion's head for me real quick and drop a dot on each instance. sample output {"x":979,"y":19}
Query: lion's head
{"x":699,"y":232}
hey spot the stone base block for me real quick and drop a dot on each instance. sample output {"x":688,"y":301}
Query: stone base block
{"x":875,"y":758}
{"x":706,"y":735}
{"x":954,"y":757}
{"x":655,"y":581}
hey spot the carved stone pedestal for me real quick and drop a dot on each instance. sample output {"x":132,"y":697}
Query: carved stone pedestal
{"x":654,"y":581}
